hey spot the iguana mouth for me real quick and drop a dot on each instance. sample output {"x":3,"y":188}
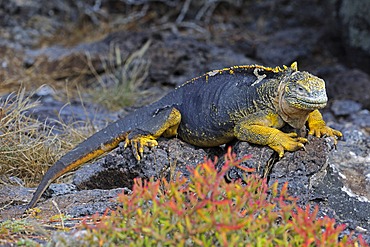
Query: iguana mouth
{"x":308,"y":103}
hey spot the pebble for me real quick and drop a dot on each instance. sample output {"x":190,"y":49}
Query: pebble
{"x":345,"y":107}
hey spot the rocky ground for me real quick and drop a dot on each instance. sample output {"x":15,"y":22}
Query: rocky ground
{"x":73,"y":41}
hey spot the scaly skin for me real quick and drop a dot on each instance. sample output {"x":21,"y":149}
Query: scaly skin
{"x":250,"y":103}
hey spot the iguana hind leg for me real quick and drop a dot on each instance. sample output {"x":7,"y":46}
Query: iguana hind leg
{"x":164,"y":123}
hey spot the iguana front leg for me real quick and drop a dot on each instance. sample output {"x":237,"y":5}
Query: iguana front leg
{"x":318,"y":127}
{"x":262,"y":129}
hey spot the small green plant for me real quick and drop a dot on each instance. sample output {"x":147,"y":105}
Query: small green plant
{"x":17,"y":231}
{"x":208,"y":211}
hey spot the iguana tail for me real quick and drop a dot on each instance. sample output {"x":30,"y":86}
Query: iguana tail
{"x":138,"y":129}
{"x":96,"y":145}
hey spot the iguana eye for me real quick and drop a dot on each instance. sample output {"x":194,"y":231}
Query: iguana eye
{"x":300,"y":89}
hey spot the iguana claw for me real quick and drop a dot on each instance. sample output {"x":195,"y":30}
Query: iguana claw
{"x":286,"y":142}
{"x":138,"y":140}
{"x":319,"y":128}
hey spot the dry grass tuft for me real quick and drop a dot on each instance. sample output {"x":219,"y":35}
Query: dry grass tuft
{"x":28,"y":146}
{"x":126,"y":76}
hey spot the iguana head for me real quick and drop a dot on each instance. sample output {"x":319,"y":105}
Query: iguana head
{"x":299,"y":93}
{"x":304,"y":91}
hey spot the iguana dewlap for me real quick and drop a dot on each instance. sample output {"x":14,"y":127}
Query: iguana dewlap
{"x":250,"y":103}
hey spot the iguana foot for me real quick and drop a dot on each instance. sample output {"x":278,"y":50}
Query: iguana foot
{"x":286,"y":142}
{"x":138,"y":140}
{"x":320,"y":129}
{"x":317,"y":127}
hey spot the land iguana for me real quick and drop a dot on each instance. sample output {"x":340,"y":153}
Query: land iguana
{"x":250,"y":103}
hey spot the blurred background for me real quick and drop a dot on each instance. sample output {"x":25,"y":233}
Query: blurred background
{"x":102,"y":44}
